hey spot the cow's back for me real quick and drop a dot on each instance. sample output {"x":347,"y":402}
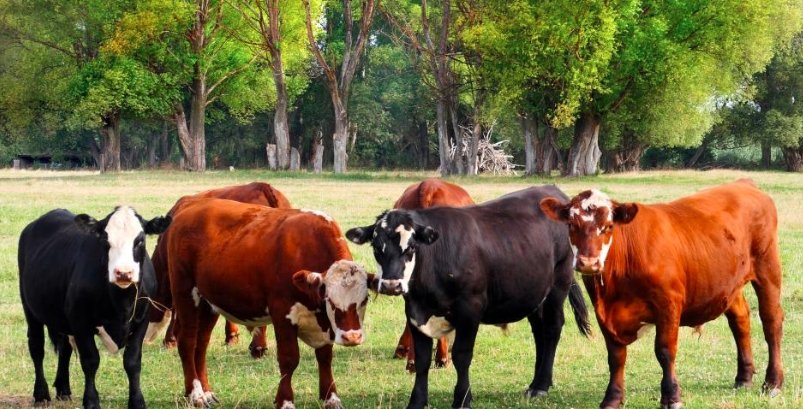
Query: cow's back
{"x":505,"y":249}
{"x":245,"y":254}
{"x":433,"y":192}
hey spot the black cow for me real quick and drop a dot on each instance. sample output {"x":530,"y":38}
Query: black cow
{"x":81,"y":277}
{"x":494,"y":263}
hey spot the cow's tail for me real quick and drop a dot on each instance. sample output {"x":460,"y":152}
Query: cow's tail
{"x":578,"y":304}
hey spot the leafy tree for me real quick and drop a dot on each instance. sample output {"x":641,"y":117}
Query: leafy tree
{"x":347,"y":51}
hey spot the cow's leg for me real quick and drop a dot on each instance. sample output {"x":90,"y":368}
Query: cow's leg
{"x":232,"y":333}
{"x":738,"y":315}
{"x":666,"y":346}
{"x":546,"y":325}
{"x":36,"y":347}
{"x":186,"y":333}
{"x":617,"y":357}
{"x":288,"y":356}
{"x":422,"y":345}
{"x":90,"y":360}
{"x":327,"y":392}
{"x":410,"y":367}
{"x":405,"y":342}
{"x":462,"y":354}
{"x":259,"y":342}
{"x":206,"y":323}
{"x":132,"y":363}
{"x":442,"y":353}
{"x":768,"y":289}
{"x":62,"y":383}
{"x":170,"y":334}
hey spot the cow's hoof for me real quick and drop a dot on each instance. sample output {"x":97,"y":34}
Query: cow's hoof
{"x":410,"y":366}
{"x":675,"y":405}
{"x":204,"y":400}
{"x":169,"y":344}
{"x":535,"y":393}
{"x":772,"y":392}
{"x":742,"y":384}
{"x":333,"y":403}
{"x":401,"y":352}
{"x":441,"y":364}
{"x":257,"y":352}
{"x":44,"y":403}
{"x":64,"y":397}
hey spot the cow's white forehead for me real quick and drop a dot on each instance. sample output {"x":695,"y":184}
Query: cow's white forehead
{"x":596,"y":200}
{"x":346,"y":284}
{"x":123,"y":225}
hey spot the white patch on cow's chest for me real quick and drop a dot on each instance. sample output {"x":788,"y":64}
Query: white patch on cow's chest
{"x":574,"y":259}
{"x":435,"y":327}
{"x":122,"y":230}
{"x":196,"y":296}
{"x":318,"y":213}
{"x":108,"y":342}
{"x":308,"y":329}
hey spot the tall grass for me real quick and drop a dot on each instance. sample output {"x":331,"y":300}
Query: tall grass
{"x":366,"y":376}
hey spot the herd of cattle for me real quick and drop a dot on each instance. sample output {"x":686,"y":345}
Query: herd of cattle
{"x":244,"y":253}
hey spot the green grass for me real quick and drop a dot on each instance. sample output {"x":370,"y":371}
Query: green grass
{"x":366,"y":376}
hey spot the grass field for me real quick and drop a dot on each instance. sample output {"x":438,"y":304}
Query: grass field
{"x":366,"y":376}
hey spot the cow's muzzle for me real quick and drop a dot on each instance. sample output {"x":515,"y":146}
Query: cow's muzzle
{"x":391,"y":287}
{"x":352,"y":338}
{"x":588,"y":265}
{"x":123,"y":279}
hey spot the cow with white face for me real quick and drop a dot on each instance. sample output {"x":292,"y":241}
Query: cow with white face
{"x":494,"y":263}
{"x":394,"y":238}
{"x":591,"y":216}
{"x":82,"y":278}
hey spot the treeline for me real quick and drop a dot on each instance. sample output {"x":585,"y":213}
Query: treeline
{"x":575,"y":87}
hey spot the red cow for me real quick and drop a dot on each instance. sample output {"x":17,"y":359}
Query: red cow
{"x":254,"y":265}
{"x":428,"y":193}
{"x":679,"y":263}
{"x":254,"y":192}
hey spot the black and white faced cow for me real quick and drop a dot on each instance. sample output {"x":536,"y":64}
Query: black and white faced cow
{"x":495,"y":263}
{"x":82,"y":278}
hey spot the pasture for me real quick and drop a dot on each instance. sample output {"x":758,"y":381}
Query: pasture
{"x":366,"y":376}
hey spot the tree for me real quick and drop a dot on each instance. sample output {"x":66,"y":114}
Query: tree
{"x":63,"y":41}
{"x":339,"y":81}
{"x":282,"y":35}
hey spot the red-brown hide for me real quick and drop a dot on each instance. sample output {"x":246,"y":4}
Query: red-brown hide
{"x":680,"y":263}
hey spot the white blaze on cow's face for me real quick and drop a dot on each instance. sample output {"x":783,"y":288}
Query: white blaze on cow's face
{"x":126,"y":240}
{"x":346,"y":296}
{"x":591,"y":230}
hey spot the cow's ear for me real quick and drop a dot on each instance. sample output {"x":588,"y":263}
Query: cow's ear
{"x":425,"y":234}
{"x":373,"y":282}
{"x":360,"y":235}
{"x":624,"y":213}
{"x":88,"y":224}
{"x":555,"y":209}
{"x":309,"y":283}
{"x":158,"y":225}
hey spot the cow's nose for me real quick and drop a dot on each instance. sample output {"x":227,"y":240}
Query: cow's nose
{"x":391,"y":287}
{"x":588,"y":264}
{"x":352,"y":338}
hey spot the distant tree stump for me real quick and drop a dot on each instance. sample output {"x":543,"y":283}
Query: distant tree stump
{"x":295,"y":160}
{"x":271,"y":151}
{"x":317,"y":158}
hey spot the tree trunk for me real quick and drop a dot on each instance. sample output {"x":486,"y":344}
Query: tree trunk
{"x":153,"y":147}
{"x":531,"y":144}
{"x":110,"y":143}
{"x":281,"y":128}
{"x":164,"y":147}
{"x":295,"y":160}
{"x":197,"y":162}
{"x":340,"y":136}
{"x":550,"y":155}
{"x":584,"y":154}
{"x":793,"y":157}
{"x":317,"y":156}
{"x":444,"y":145}
{"x":766,"y":154}
{"x":423,"y":142}
{"x":270,"y":151}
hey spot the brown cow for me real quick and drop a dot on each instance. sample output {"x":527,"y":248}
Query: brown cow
{"x":254,"y":192}
{"x":254,"y":265}
{"x":679,"y":263}
{"x":428,"y":193}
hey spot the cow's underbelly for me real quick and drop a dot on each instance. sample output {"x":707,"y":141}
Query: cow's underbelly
{"x":434,"y":327}
{"x":234,"y":309}
{"x":251,"y":322}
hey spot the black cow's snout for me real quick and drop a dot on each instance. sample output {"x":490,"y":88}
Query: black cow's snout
{"x":391,"y":287}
